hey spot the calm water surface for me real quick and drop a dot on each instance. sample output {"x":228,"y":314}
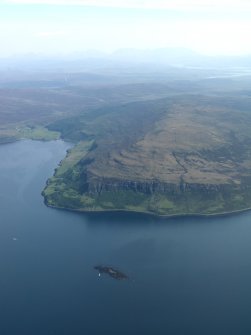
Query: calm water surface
{"x":187,"y":276}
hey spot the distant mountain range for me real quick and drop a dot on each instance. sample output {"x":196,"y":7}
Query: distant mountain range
{"x":177,"y":57}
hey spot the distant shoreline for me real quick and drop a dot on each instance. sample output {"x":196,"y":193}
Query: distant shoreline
{"x":9,"y":141}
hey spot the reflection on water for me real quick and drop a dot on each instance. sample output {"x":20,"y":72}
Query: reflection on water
{"x":187,"y":275}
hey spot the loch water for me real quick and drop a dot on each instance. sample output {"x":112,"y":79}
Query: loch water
{"x":186,"y":275}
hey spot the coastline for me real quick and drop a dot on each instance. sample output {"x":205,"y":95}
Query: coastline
{"x":160,"y":216}
{"x":150,"y":214}
{"x":9,"y":141}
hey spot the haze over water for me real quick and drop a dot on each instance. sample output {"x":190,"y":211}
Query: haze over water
{"x":187,"y":275}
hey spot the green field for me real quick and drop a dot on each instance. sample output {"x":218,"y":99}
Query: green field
{"x":37,"y":133}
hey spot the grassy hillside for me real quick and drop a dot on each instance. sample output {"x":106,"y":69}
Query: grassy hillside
{"x":186,"y":154}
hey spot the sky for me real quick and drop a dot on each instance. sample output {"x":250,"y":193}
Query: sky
{"x":60,"y":27}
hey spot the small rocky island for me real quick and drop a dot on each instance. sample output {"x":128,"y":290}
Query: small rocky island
{"x":111,"y":272}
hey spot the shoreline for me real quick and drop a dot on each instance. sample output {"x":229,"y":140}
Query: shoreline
{"x":160,"y":216}
{"x":10,"y":141}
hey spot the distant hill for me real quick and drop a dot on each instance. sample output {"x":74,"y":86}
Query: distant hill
{"x":90,"y":60}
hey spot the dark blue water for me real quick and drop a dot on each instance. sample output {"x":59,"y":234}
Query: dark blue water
{"x":187,"y":276}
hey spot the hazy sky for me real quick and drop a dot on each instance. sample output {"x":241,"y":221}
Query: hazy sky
{"x":66,"y":26}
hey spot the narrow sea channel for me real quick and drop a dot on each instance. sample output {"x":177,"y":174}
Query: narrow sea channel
{"x":187,"y":276}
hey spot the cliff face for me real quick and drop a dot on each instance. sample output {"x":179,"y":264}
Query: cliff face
{"x":97,"y":186}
